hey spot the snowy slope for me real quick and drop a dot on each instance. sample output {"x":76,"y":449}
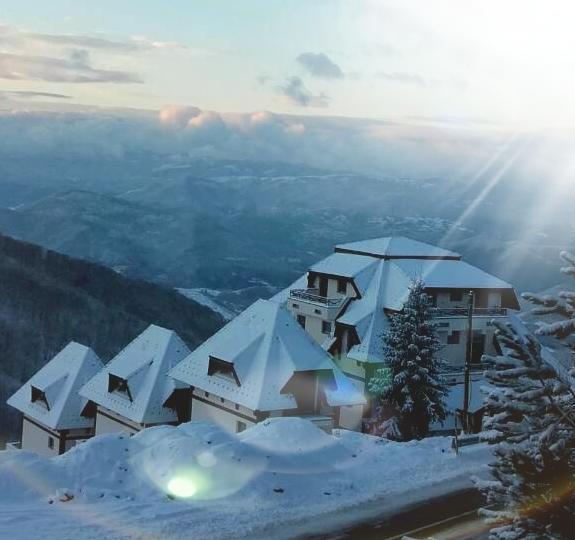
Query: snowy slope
{"x":277,"y":473}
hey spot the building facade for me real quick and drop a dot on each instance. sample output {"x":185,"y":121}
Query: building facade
{"x":344,"y":302}
{"x":134,"y":391}
{"x":262,"y":365}
{"x":54,"y":418}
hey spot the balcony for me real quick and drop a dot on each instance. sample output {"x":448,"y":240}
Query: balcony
{"x":312,"y":296}
{"x":448,"y":313}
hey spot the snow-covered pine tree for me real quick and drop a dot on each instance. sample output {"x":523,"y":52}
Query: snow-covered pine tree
{"x":562,"y":305}
{"x":410,"y":383}
{"x":532,"y":420}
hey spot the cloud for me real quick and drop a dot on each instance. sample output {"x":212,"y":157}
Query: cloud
{"x":28,"y":94}
{"x":296,"y":93}
{"x":15,"y":37}
{"x":178,"y":115}
{"x":340,"y":143}
{"x":403,"y":78}
{"x":76,"y":68}
{"x":320,"y":65}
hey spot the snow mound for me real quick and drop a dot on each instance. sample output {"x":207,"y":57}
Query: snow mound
{"x":167,"y":481}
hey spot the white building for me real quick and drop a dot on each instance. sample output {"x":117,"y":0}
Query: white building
{"x":54,"y":413}
{"x":133,"y":391}
{"x":344,"y":301}
{"x":260,"y":365}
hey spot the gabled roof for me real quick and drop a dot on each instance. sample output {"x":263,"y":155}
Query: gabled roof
{"x":144,"y":364}
{"x":266,"y":347}
{"x":396,"y":247}
{"x":59,"y":381}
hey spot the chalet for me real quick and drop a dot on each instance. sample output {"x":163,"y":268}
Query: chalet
{"x":260,"y":365}
{"x":344,"y":301}
{"x":133,"y":391}
{"x":53,"y":419}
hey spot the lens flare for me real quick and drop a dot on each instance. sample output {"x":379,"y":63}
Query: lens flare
{"x":182,"y":487}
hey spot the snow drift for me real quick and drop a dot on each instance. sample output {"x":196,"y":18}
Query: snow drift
{"x":167,"y":481}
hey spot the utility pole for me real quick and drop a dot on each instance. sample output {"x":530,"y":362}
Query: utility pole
{"x":468,"y":354}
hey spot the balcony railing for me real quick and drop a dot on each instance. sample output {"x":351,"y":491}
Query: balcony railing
{"x":310,"y":295}
{"x":441,"y":313}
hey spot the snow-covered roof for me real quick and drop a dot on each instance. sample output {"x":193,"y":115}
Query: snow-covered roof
{"x":144,"y":364}
{"x":343,"y":264}
{"x":449,"y":274}
{"x":396,"y":247}
{"x":59,"y":381}
{"x":386,"y":287}
{"x":266,"y":347}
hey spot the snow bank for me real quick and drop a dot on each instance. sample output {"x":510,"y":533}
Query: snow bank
{"x":167,"y":481}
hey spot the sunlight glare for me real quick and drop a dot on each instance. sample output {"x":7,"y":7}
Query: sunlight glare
{"x":182,"y":487}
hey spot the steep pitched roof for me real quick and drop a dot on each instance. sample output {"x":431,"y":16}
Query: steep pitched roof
{"x":266,"y":347}
{"x":144,"y":364}
{"x":396,"y":247}
{"x":59,"y":381}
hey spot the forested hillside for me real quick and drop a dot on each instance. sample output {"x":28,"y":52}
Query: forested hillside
{"x":48,"y":299}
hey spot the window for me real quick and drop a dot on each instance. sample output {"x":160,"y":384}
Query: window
{"x":453,"y":339}
{"x":207,"y":394}
{"x":237,"y":407}
{"x":317,"y":311}
{"x":38,"y":396}
{"x":456,"y":296}
{"x":50,"y":443}
{"x":301,"y":320}
{"x":221,"y":368}
{"x":118,"y":385}
{"x":295,"y":306}
{"x":240,"y":426}
{"x":341,"y":286}
{"x":325,"y":327}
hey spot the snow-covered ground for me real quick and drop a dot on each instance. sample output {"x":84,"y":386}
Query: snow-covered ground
{"x":206,"y":297}
{"x":197,"y":481}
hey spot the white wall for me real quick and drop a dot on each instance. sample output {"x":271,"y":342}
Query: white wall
{"x":35,"y":439}
{"x":350,"y":417}
{"x":207,"y":412}
{"x":104,"y":424}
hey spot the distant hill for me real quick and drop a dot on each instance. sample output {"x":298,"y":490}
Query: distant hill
{"x":48,"y":299}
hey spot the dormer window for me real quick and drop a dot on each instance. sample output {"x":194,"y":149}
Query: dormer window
{"x":39,"y":396}
{"x":220,"y":368}
{"x":118,"y":385}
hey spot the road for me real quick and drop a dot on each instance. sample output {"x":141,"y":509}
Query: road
{"x":449,"y":517}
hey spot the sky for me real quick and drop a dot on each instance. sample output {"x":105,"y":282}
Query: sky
{"x":488,"y":63}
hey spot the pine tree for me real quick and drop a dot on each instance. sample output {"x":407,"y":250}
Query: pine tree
{"x":562,"y":305}
{"x":531,"y":418}
{"x":410,"y":383}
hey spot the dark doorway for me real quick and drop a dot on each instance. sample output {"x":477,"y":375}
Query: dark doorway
{"x":478,"y":347}
{"x":322,"y":286}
